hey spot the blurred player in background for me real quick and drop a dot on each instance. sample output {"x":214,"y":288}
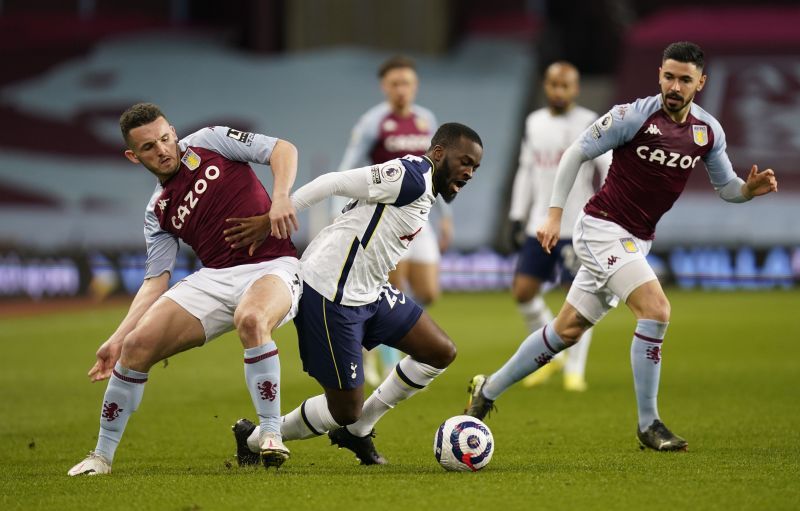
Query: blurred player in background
{"x":203,"y":180}
{"x":348,"y":303}
{"x":548,"y":133}
{"x":657,"y":141}
{"x":393,"y":129}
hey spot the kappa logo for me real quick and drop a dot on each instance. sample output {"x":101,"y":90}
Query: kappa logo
{"x":653,"y":130}
{"x":389,"y":125}
{"x":353,"y":367}
{"x":162,"y":204}
{"x":611,"y":260}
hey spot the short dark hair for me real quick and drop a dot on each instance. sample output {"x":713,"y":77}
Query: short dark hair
{"x":450,"y":132}
{"x":396,"y":62}
{"x":138,"y":115}
{"x":684,"y":51}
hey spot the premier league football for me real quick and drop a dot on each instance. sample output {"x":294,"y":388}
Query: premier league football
{"x":463,"y":443}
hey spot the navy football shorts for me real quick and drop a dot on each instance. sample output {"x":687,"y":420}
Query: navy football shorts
{"x":560,"y":265}
{"x":331,"y":335}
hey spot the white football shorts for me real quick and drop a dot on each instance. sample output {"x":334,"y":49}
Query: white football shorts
{"x":424,"y":248}
{"x":604,"y":248}
{"x":212,"y":295}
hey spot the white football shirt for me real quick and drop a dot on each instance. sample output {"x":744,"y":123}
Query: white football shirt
{"x":349,"y":261}
{"x":547,"y":136}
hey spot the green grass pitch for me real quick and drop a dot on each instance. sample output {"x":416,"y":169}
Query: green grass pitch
{"x":729,"y":384}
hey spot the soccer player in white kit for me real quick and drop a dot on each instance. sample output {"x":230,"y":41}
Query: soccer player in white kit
{"x":203,"y":180}
{"x":347,"y":302}
{"x":548,"y":133}
{"x":657,"y":141}
{"x":393,"y":129}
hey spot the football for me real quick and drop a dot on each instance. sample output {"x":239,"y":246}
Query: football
{"x":463,"y":443}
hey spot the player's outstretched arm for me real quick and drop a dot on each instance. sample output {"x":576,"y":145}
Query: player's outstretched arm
{"x":759,"y":183}
{"x":352,"y":183}
{"x":253,"y":230}
{"x":109,"y":351}
{"x":282,"y":214}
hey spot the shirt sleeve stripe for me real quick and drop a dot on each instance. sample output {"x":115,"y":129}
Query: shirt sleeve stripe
{"x":348,"y":265}
{"x":351,"y":255}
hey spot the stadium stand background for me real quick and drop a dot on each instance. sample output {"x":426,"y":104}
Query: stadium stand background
{"x":304,"y":70}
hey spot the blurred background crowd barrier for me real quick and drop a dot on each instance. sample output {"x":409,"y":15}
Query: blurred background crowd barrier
{"x":71,"y":207}
{"x":100,"y":275}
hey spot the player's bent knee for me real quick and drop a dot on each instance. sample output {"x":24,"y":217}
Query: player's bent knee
{"x":250,"y":325}
{"x":139,"y":351}
{"x":659,"y":310}
{"x":523,"y":293}
{"x":571,"y":334}
{"x":445,"y":355}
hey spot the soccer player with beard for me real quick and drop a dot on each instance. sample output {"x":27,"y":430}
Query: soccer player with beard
{"x":393,"y":129}
{"x":348,"y":303}
{"x":548,"y":133}
{"x":656,"y":142}
{"x":203,"y":180}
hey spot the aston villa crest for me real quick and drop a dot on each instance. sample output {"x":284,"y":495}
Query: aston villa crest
{"x":700,"y":134}
{"x":190,"y":159}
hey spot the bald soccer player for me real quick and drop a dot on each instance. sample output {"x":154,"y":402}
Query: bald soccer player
{"x":548,"y":133}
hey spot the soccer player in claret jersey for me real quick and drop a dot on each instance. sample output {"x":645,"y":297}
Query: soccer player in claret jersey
{"x":656,"y":142}
{"x":347,"y":302}
{"x":203,"y":180}
{"x":548,"y":133}
{"x":389,"y":130}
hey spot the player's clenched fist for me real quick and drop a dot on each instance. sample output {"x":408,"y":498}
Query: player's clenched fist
{"x":283,"y":218}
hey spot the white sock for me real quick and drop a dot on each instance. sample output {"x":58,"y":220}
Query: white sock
{"x":262,"y":372}
{"x":575,"y":362}
{"x":535,"y":351}
{"x":407,"y":378}
{"x":535,"y":313}
{"x":646,"y":364}
{"x":122,"y":398}
{"x":312,"y":418}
